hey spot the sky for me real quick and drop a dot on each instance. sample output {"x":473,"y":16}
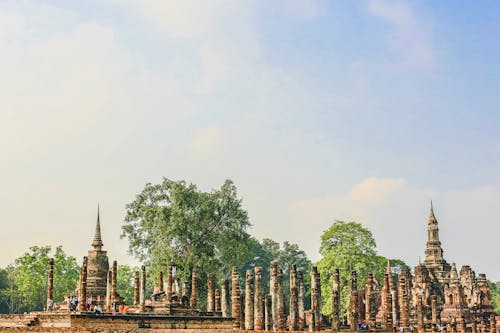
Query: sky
{"x":317,"y":110}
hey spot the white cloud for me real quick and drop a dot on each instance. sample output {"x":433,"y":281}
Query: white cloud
{"x":409,"y":37}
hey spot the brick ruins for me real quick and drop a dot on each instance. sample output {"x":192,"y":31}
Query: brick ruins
{"x":436,"y":297}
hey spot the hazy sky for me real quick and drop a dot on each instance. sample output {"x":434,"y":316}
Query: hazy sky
{"x":355,"y":110}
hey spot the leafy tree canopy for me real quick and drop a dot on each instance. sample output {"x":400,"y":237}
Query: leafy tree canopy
{"x":26,"y":285}
{"x":349,"y":246}
{"x":175,"y":223}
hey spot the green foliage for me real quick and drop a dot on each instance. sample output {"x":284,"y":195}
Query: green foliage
{"x":175,"y":223}
{"x":4,"y":284}
{"x":125,"y":283}
{"x":27,"y":279}
{"x":286,"y":254}
{"x":349,"y":246}
{"x":495,"y":295}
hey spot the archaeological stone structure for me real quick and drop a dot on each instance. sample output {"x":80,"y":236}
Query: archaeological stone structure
{"x":435,"y":297}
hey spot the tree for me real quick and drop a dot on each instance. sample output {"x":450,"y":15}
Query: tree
{"x":349,"y":246}
{"x":4,"y":285}
{"x":175,"y":223}
{"x":27,"y":278}
{"x":286,"y":254}
{"x":125,"y":283}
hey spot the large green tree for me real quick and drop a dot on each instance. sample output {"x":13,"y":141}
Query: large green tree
{"x":27,"y":278}
{"x":175,"y":223}
{"x":350,"y":247}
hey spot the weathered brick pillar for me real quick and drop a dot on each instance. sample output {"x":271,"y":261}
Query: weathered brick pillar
{"x":353,"y":302}
{"x":315,"y":300}
{"x":273,"y":290}
{"x":300,"y":304}
{"x":225,"y":299}
{"x":186,"y":293}
{"x":268,"y":318}
{"x":160,"y":282}
{"x":109,"y":277}
{"x":369,"y":313}
{"x":193,"y":300}
{"x":82,"y":296}
{"x":235,"y":299}
{"x":142,"y":297}
{"x":136,"y":289}
{"x":294,"y":300}
{"x":420,"y":316}
{"x":390,"y":321}
{"x":281,"y":302}
{"x":403,"y":302}
{"x":385,"y":293}
{"x":258,"y":310}
{"x":493,"y":324}
{"x":249,"y":298}
{"x":211,"y":293}
{"x":217,"y":300}
{"x":336,"y":300}
{"x":114,"y":273}
{"x":50,"y":285}
{"x":170,"y":278}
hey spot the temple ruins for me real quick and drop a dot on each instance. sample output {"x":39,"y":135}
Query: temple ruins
{"x":436,"y":297}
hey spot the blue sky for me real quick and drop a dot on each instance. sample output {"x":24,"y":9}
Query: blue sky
{"x":318,"y":110}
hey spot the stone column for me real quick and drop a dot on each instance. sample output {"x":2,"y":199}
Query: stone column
{"x":268,"y":313}
{"x":50,"y":285}
{"x":300,"y":304}
{"x":353,"y":302}
{"x":224,"y":283}
{"x":82,"y":296}
{"x":493,"y":324}
{"x":249,"y":298}
{"x":384,"y":305}
{"x":217,"y":300}
{"x":193,"y":301}
{"x":258,"y":311}
{"x":390,"y":321}
{"x":273,"y":290}
{"x":281,"y":302}
{"x":294,"y":300}
{"x":369,"y":306}
{"x":315,"y":300}
{"x":235,"y":295}
{"x":108,"y":290}
{"x":114,"y":273}
{"x":403,"y":303}
{"x":186,"y":294}
{"x":336,"y":300}
{"x":160,"y":282}
{"x":137,"y":287}
{"x":168,"y":291}
{"x":210,"y":293}
{"x":420,"y":316}
{"x":142,"y":297}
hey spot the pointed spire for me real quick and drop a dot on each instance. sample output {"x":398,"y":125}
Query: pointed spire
{"x":389,"y":266}
{"x":453,"y":272}
{"x":97,"y":243}
{"x":432,"y":217}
